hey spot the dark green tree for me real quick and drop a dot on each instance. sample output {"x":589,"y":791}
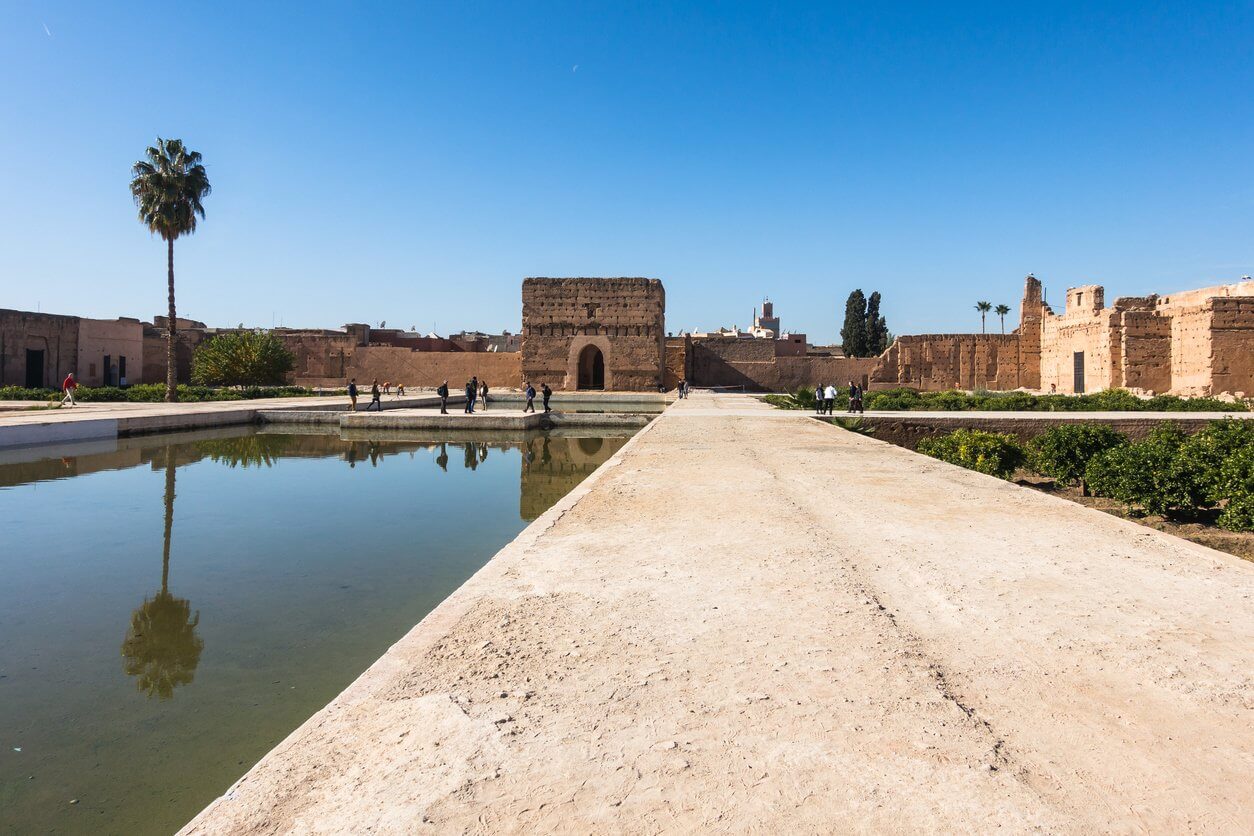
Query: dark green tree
{"x":853,"y":336}
{"x":242,"y":358}
{"x":876,"y":327}
{"x":168,"y":187}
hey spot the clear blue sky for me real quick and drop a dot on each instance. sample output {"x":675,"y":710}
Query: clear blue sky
{"x":413,"y":162}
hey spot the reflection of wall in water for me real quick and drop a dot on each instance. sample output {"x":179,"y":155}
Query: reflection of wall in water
{"x":552,"y":467}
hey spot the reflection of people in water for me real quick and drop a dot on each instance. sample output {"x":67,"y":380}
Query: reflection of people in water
{"x":374,"y":453}
{"x":442,"y":459}
{"x":472,"y":460}
{"x":351,"y":455}
{"x":483,"y":452}
{"x":545,"y":457}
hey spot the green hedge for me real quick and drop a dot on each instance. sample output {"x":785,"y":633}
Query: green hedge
{"x":1168,"y":473}
{"x":1109,"y":400}
{"x":996,"y":454}
{"x":155,"y":392}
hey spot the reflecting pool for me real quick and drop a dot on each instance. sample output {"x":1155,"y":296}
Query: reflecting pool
{"x":172,"y":607}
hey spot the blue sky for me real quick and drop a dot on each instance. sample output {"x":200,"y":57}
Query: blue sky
{"x":413,"y":162}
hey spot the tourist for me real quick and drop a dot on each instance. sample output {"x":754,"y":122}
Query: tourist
{"x":352,"y":394}
{"x":443,"y":393}
{"x":546,"y":393}
{"x":483,"y":394}
{"x":853,"y":393}
{"x":474,"y":392}
{"x":400,"y":391}
{"x":530,"y":392}
{"x":374,"y":395}
{"x":470,"y":397}
{"x":829,"y":399}
{"x":67,"y":389}
{"x":818,"y":398}
{"x":857,"y":399}
{"x":387,"y":387}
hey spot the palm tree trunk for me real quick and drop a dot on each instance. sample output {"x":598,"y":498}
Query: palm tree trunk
{"x":983,"y":330}
{"x":171,"y":369}
{"x":169,"y":518}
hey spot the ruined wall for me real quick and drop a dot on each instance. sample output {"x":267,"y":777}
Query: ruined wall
{"x":1095,"y":335}
{"x":755,"y":365}
{"x":1232,"y":346}
{"x":56,"y":336}
{"x":678,"y":350}
{"x":624,"y":318}
{"x":121,"y":340}
{"x":154,"y":354}
{"x":936,"y":362}
{"x":1145,"y":351}
{"x":320,"y":356}
{"x":501,"y":370}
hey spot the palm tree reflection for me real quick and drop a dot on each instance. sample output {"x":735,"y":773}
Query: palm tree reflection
{"x":161,"y":648}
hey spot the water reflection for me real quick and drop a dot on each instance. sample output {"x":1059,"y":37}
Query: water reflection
{"x":161,"y":649}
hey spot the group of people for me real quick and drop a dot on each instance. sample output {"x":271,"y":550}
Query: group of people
{"x":476,"y":395}
{"x":825,"y":398}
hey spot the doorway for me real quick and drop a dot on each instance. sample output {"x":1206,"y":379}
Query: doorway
{"x":1077,"y":360}
{"x":34,"y":368}
{"x":591,"y":368}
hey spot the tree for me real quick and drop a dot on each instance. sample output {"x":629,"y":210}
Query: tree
{"x":853,"y":334}
{"x":983,"y":308}
{"x":161,"y":648}
{"x":242,"y":358}
{"x":168,"y":188}
{"x":876,"y":327}
{"x":1001,"y":311}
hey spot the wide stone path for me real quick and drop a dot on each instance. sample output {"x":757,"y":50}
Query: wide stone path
{"x":748,"y":620}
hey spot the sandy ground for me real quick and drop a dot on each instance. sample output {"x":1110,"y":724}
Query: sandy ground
{"x":749,"y":621}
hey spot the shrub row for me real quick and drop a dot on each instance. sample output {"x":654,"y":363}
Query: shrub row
{"x":1168,"y":473}
{"x":1108,"y":400}
{"x":154,"y":392}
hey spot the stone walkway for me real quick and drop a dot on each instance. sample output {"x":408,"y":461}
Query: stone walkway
{"x":748,"y":620}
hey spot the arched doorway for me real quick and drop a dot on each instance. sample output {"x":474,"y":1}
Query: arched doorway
{"x":591,"y":368}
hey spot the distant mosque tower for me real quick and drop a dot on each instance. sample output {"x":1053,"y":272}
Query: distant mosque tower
{"x":767,"y":320}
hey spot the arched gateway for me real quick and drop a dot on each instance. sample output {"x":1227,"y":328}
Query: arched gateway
{"x":591,"y":368}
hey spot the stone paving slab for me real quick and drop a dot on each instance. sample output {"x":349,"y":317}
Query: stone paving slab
{"x":748,"y":622}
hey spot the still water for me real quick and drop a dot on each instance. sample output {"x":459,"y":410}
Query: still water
{"x":172,"y":607}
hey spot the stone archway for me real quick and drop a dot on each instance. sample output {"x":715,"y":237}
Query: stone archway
{"x":591,"y":368}
{"x":579,"y":354}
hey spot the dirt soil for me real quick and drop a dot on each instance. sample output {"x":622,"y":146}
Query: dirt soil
{"x":751,"y":621}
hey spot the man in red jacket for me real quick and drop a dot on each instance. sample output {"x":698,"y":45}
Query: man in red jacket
{"x":67,"y":389}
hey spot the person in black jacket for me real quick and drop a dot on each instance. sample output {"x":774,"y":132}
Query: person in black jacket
{"x":546,"y":393}
{"x":443,"y":393}
{"x":470,"y":397}
{"x":530,"y":392}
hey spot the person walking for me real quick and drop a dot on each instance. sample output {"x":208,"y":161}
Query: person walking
{"x":829,"y":398}
{"x":443,"y":393}
{"x":853,"y":394}
{"x":531,"y":398}
{"x":483,"y":395}
{"x":546,"y":393}
{"x":67,"y":389}
{"x":374,"y":396}
{"x":859,"y":400}
{"x":470,"y":397}
{"x":352,"y":395}
{"x":818,"y":398}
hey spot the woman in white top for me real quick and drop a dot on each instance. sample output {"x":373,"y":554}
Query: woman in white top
{"x":829,"y":398}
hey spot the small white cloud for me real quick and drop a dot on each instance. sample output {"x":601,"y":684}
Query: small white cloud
{"x":47,"y":31}
{"x":574,"y":68}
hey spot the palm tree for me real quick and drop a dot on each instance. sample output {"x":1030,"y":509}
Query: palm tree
{"x":161,"y":648}
{"x":168,"y":188}
{"x":1002,"y":310}
{"x":983,"y":308}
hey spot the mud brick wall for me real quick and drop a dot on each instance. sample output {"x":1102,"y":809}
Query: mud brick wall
{"x":754,"y":364}
{"x":1191,"y":350}
{"x":56,"y":336}
{"x":1146,"y":351}
{"x":1096,"y":335}
{"x":1232,"y":346}
{"x":936,"y":362}
{"x":678,"y":350}
{"x":623,"y":317}
{"x":425,"y":369}
{"x":321,"y":357}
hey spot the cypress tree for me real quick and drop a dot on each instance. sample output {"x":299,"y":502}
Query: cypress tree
{"x":873,"y":324}
{"x":853,"y":335}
